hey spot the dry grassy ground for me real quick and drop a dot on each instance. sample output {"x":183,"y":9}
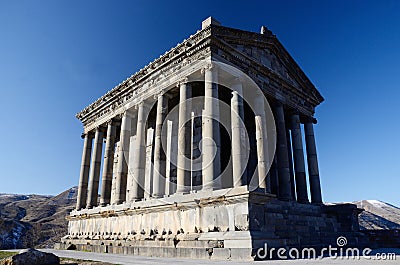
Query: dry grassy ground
{"x":4,"y":254}
{"x":34,"y":220}
{"x":69,"y":261}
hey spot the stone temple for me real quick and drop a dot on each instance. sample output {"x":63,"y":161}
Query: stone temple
{"x":209,"y":152}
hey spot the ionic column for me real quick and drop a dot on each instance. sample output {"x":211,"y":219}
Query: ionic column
{"x":313,"y":172}
{"x":168,"y":181}
{"x":298,"y":157}
{"x":273,"y":174}
{"x":159,"y":155}
{"x":95,"y":169}
{"x":148,"y":164}
{"x":139,"y":162}
{"x":261,"y":141}
{"x":211,"y":153}
{"x":282,"y":154}
{"x":108,"y":165}
{"x":123,"y":158}
{"x":239,"y":154}
{"x":290,"y":159}
{"x":84,"y":174}
{"x":183,"y":161}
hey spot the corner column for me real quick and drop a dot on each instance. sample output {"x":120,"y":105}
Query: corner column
{"x":159,"y":154}
{"x":84,"y":173}
{"x":313,"y":171}
{"x":183,"y":161}
{"x":282,"y":154}
{"x":95,"y":169}
{"x":239,"y":154}
{"x":211,"y":153}
{"x":108,"y":164}
{"x":298,"y":157}
{"x":123,"y":158}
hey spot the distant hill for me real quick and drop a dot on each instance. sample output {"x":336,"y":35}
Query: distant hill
{"x":378,"y":215}
{"x":39,"y":221}
{"x":34,"y":220}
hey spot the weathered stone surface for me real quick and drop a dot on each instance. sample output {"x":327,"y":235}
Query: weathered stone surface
{"x":198,"y":228}
{"x":31,"y":257}
{"x":229,"y":206}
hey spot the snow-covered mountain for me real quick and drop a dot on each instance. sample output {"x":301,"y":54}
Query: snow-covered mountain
{"x":378,"y":215}
{"x":38,"y":220}
{"x":34,"y":220}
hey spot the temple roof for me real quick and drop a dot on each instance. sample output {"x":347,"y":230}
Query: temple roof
{"x":261,"y":51}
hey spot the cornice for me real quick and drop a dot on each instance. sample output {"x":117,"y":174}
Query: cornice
{"x":186,"y":52}
{"x":187,"y":47}
{"x":163,"y":78}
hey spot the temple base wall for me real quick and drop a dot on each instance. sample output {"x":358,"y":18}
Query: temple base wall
{"x":224,"y":224}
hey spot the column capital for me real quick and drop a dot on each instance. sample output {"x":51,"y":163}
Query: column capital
{"x":101,"y":128}
{"x":208,"y":67}
{"x":110,"y":122}
{"x":310,"y":119}
{"x":159,"y":94}
{"x":143,"y":103}
{"x":113,"y":121}
{"x":128,"y":112}
{"x":88,"y":134}
{"x":182,"y":81}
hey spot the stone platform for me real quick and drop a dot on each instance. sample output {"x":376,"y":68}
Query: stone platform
{"x":224,"y":224}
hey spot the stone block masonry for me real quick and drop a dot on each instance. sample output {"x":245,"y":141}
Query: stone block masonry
{"x":190,"y":168}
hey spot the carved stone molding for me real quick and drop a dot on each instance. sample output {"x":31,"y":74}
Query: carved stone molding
{"x":184,"y":80}
{"x":208,"y":67}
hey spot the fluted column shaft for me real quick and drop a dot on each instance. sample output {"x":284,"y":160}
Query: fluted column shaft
{"x":211,"y":153}
{"x":290,"y":159}
{"x":313,"y":171}
{"x":136,"y":191}
{"x":239,"y":157}
{"x":84,"y":174}
{"x":298,"y":157}
{"x":95,"y":169}
{"x":108,"y":165}
{"x":168,"y":181}
{"x":183,"y":161}
{"x":159,"y":155}
{"x":262,"y":144}
{"x":123,"y":158}
{"x":282,"y":154}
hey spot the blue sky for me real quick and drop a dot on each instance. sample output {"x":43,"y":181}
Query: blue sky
{"x":56,"y":57}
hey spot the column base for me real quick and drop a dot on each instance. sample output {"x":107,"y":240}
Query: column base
{"x":118,"y":202}
{"x":181,"y":192}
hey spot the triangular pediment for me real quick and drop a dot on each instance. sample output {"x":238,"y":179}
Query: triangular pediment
{"x":270,"y":53}
{"x":268,"y":59}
